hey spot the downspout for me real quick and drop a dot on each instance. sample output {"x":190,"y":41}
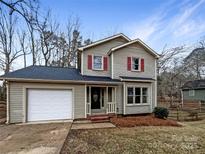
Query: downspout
{"x":7,"y":103}
{"x":124,"y":100}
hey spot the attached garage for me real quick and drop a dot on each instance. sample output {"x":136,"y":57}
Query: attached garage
{"x":49,"y":104}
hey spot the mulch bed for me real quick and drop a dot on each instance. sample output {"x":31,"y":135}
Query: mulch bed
{"x":142,"y":121}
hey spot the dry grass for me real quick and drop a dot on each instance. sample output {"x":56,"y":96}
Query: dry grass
{"x":142,"y":121}
{"x":153,"y":139}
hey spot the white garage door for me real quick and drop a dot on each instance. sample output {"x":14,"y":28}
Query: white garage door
{"x":44,"y":104}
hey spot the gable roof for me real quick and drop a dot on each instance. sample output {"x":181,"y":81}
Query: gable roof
{"x":54,"y":74}
{"x":105,"y":40}
{"x":195,"y":84}
{"x":132,"y":42}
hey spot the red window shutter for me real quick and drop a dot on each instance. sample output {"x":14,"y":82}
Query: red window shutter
{"x":105,"y":63}
{"x":89,"y":62}
{"x":142,"y":65}
{"x":129,"y":63}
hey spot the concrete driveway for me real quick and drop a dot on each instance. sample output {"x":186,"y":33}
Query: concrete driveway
{"x":33,"y":138}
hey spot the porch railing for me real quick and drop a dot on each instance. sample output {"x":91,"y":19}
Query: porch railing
{"x":111,"y":107}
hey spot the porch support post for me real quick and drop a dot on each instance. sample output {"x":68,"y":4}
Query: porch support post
{"x":115,"y":100}
{"x":90,"y":100}
{"x":106,"y":99}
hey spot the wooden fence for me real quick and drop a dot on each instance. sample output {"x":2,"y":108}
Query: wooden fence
{"x":188,"y":110}
{"x":2,"y":111}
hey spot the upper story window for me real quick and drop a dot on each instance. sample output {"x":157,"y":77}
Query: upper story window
{"x":97,"y":62}
{"x":135,"y":64}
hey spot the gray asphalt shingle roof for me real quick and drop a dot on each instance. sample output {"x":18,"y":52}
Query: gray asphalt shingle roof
{"x":53,"y":73}
{"x":195,"y":84}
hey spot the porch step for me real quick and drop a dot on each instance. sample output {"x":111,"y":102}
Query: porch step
{"x":99,"y":118}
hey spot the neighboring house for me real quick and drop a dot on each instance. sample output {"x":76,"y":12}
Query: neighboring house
{"x":115,"y":75}
{"x":194,"y":90}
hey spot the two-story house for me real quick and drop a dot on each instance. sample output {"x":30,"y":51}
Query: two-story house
{"x":115,"y":75}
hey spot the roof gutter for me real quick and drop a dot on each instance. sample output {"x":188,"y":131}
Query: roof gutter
{"x":133,"y":80}
{"x":59,"y":81}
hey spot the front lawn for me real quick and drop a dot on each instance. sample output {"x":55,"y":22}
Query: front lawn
{"x":147,"y":139}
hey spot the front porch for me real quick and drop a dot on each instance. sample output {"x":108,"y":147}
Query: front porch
{"x":100,"y":100}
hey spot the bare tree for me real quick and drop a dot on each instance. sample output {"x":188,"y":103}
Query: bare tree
{"x":167,"y":57}
{"x":47,"y":29}
{"x":8,"y":52}
{"x":23,"y":45}
{"x":196,"y":62}
{"x":31,"y":14}
{"x":74,"y":40}
{"x":171,"y":72}
{"x":26,"y":9}
{"x":16,"y":6}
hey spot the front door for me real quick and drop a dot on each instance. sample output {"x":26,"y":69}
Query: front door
{"x":95,"y":98}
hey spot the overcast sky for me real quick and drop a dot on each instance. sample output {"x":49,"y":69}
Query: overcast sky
{"x":157,"y":22}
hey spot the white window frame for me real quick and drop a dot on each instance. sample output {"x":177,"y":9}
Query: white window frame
{"x":132,"y":96}
{"x":141,"y":103}
{"x":139,"y":68}
{"x":94,"y":62}
{"x":192,"y":92}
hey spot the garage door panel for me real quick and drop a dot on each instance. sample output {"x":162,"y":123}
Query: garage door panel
{"x":45,"y":104}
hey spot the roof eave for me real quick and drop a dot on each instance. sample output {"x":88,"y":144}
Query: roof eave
{"x":136,"y":80}
{"x":58,"y":81}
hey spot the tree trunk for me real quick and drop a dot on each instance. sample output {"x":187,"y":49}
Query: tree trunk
{"x":24,"y":57}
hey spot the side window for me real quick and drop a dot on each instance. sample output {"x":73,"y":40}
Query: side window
{"x":144,"y":95}
{"x":130,"y":93}
{"x":191,"y":93}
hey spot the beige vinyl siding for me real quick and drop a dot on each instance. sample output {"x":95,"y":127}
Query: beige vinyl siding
{"x":102,"y":51}
{"x":79,"y":101}
{"x":17,"y":99}
{"x":138,"y":109}
{"x":141,"y":108}
{"x":16,"y":103}
{"x":120,"y":62}
{"x":119,"y":99}
{"x":154,"y":95}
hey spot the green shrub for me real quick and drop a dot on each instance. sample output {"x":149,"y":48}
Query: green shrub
{"x":161,"y":112}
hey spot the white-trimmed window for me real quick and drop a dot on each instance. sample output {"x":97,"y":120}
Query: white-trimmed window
{"x":135,"y":64}
{"x":191,"y":93}
{"x":97,"y":62}
{"x":130,"y":95}
{"x":137,"y":95}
